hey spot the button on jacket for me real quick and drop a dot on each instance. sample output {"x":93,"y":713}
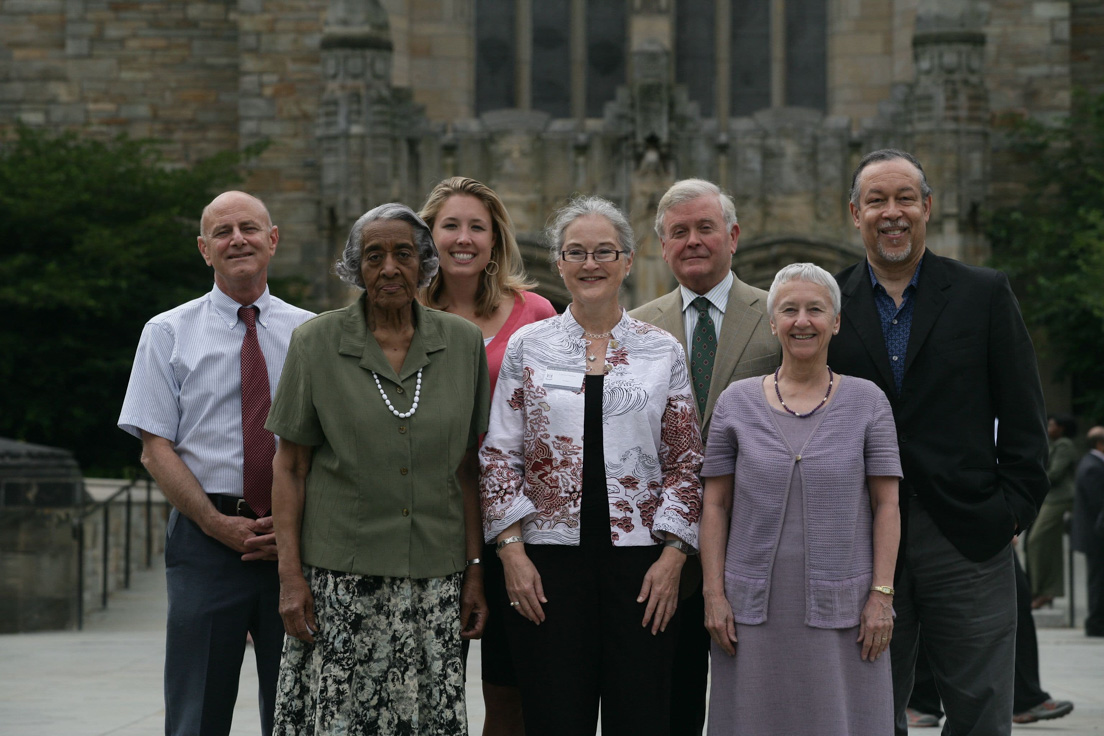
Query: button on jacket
{"x":382,"y":496}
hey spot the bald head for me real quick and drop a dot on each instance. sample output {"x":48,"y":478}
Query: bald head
{"x":237,"y":239}
{"x":1096,"y":438}
{"x":231,"y":199}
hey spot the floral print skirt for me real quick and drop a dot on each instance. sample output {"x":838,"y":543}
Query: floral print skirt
{"x":386,"y":659}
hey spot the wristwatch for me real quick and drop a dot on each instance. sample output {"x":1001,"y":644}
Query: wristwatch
{"x":680,"y":545}
{"x":882,"y":589}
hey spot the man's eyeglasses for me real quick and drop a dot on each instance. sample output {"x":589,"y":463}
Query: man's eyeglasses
{"x":578,"y":255}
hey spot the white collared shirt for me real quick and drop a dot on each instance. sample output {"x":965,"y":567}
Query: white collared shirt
{"x":718,"y":301}
{"x":185,"y":384}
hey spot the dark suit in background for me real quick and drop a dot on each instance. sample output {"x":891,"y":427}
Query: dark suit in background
{"x":1088,"y":526}
{"x":969,"y":361}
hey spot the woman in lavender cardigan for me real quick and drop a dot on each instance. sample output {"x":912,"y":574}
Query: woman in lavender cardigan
{"x":799,"y":534}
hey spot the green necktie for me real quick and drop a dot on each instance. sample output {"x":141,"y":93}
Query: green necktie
{"x":703,"y":353}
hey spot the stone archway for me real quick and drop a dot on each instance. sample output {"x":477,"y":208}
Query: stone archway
{"x":759,"y":260}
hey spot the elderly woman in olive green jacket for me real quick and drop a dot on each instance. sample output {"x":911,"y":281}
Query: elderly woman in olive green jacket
{"x":1044,"y":542}
{"x":375,"y":504}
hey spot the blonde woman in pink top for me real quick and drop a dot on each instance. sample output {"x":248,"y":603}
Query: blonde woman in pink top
{"x":482,"y":278}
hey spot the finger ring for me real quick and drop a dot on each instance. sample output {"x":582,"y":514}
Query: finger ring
{"x":515,"y":604}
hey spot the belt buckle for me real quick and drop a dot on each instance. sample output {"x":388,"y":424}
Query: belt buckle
{"x":241,"y":508}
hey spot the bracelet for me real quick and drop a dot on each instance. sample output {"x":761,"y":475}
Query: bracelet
{"x":882,"y":589}
{"x":504,"y":542}
{"x":680,"y":545}
{"x":473,"y":561}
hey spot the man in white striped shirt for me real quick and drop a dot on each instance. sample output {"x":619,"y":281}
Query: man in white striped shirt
{"x":727,"y":320}
{"x":184,"y":402}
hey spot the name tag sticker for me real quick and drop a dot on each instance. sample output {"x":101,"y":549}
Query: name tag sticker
{"x":567,"y":380}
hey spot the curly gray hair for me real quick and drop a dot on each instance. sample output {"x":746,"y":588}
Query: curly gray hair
{"x":348,"y":266}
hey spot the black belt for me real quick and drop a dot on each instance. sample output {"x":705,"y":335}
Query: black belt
{"x":232,"y":505}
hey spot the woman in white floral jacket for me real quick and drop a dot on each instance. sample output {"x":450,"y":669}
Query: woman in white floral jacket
{"x":590,"y":489}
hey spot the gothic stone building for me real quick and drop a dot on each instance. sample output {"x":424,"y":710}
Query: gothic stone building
{"x":366,"y":101}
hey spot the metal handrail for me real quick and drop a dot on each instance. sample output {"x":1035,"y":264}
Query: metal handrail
{"x":105,"y":506}
{"x":1067,"y":532}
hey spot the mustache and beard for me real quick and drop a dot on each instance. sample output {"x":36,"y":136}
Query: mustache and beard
{"x":898,"y":255}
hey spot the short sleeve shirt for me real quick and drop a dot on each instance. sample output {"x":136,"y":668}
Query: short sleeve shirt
{"x":185,"y":384}
{"x":382,"y":495}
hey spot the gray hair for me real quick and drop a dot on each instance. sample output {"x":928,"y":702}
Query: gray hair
{"x":688,"y":190}
{"x":581,"y":206}
{"x":348,"y":266}
{"x":887,"y":154}
{"x":809,"y":272}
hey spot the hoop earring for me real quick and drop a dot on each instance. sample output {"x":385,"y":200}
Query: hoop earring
{"x":491,"y":271}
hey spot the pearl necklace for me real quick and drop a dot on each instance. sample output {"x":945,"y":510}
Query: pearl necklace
{"x":831,"y":380}
{"x":417,"y":395}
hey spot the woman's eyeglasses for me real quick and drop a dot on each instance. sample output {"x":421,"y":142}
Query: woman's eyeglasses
{"x":578,"y":255}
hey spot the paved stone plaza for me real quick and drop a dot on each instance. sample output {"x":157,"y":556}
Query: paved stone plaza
{"x":107,"y":678}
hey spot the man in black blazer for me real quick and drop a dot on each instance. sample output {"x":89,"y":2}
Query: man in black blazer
{"x":947,"y":344}
{"x":1088,"y":526}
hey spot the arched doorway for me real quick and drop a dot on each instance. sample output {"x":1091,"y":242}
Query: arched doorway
{"x":757,"y":261}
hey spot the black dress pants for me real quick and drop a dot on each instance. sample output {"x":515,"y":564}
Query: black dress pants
{"x":591,"y":648}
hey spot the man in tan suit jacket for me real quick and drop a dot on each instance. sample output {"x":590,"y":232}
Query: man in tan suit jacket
{"x":696,"y":224}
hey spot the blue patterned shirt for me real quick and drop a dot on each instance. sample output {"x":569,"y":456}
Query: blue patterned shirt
{"x":896,"y":322}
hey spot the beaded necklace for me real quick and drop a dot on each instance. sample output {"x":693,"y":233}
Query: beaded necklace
{"x":778,"y":393}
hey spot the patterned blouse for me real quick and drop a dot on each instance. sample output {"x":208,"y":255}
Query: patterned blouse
{"x":532,"y":457}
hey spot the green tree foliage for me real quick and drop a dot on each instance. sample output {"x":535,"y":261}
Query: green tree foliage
{"x":1052,"y":244}
{"x":95,"y":238}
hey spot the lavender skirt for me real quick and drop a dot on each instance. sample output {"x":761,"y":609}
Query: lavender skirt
{"x":788,"y":678}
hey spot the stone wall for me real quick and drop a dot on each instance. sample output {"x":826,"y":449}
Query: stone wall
{"x":202,"y":75}
{"x":39,"y":563}
{"x":352,"y":123}
{"x":1087,"y":45}
{"x":166,"y":70}
{"x":37,"y":570}
{"x":141,"y":534}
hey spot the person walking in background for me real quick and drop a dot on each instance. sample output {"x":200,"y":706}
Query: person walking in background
{"x":800,"y":533}
{"x":946,"y":343}
{"x":1088,"y":526}
{"x":198,"y":396}
{"x":483,"y":280}
{"x":590,"y":491}
{"x":722,"y":324}
{"x":1044,"y":541}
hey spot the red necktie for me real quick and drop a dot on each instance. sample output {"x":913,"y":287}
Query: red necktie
{"x":258,"y":443}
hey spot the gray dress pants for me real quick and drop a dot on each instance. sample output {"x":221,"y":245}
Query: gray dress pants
{"x":215,"y":599}
{"x":967,"y":612}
